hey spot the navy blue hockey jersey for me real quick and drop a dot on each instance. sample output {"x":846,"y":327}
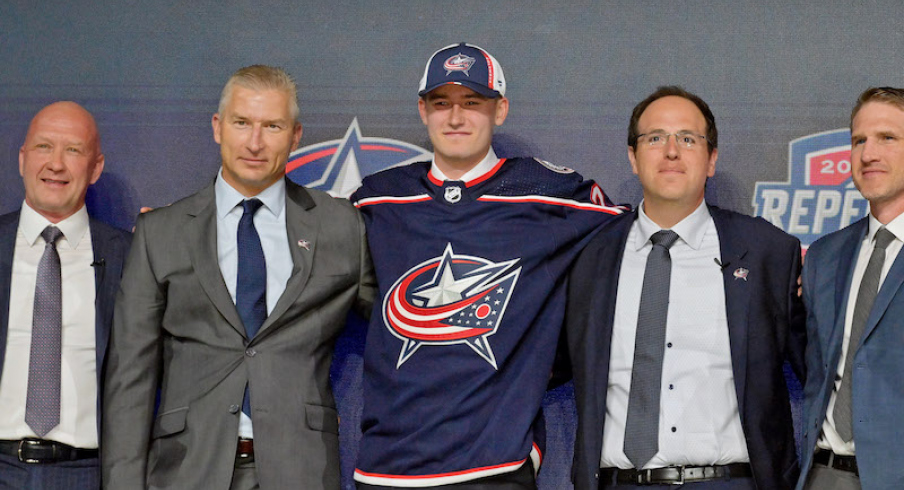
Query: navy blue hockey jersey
{"x":460,"y":349}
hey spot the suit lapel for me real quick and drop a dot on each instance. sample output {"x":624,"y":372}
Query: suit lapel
{"x":302,"y":230}
{"x":733,"y":251}
{"x":890,"y":287}
{"x":201,"y":236}
{"x":608,"y":269}
{"x":101,"y":249}
{"x":845,"y":255}
{"x":9,"y":224}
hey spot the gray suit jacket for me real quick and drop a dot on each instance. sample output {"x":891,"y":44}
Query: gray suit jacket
{"x":176,"y":330}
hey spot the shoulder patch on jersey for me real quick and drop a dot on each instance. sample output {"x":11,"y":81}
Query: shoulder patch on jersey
{"x":555,"y":168}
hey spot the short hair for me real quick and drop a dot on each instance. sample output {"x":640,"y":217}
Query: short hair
{"x":262,"y":77}
{"x":712,"y":133}
{"x":886,"y":95}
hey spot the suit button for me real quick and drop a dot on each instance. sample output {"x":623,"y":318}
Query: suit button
{"x":250,"y":352}
{"x":233,"y":408}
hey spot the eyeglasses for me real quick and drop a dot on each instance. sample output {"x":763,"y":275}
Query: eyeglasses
{"x":684,"y":139}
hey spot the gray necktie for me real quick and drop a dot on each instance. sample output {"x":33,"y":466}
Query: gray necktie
{"x":866,"y":296}
{"x":42,"y":406}
{"x":642,"y":425}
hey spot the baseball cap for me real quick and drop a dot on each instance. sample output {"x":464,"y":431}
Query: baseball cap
{"x":467,"y":65}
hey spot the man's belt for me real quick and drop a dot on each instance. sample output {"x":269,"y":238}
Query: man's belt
{"x":675,"y":475}
{"x":39,"y":451}
{"x":244,"y":451}
{"x":832,"y":460}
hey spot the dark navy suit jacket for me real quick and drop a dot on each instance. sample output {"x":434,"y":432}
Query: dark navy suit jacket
{"x":765,"y":326}
{"x":878,"y":375}
{"x":110,"y":246}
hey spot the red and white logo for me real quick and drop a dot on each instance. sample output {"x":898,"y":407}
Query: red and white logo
{"x":450,"y":299}
{"x":459,"y":62}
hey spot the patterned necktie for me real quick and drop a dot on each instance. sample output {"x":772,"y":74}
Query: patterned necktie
{"x":866,"y":296}
{"x":642,"y":424}
{"x":251,"y":285}
{"x":42,"y":405}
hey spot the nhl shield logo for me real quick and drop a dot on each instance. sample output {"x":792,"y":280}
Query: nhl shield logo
{"x":450,"y":299}
{"x":453,"y":194}
{"x":819,"y":196}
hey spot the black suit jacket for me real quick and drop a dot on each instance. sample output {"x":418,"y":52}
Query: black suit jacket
{"x":765,"y":325}
{"x":110,"y":247}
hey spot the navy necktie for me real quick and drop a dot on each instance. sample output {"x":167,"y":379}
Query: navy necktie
{"x":642,"y":424}
{"x":251,"y":285}
{"x":42,"y":405}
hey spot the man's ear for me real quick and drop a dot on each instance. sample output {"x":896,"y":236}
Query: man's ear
{"x":502,"y":107}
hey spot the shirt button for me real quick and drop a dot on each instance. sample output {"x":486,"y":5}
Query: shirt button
{"x":250,"y":352}
{"x":669,"y":345}
{"x":233,"y":408}
{"x":674,"y":429}
{"x":671,"y":387}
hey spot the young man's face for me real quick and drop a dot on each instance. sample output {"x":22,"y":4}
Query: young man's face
{"x":256,"y":133}
{"x":460,"y":124}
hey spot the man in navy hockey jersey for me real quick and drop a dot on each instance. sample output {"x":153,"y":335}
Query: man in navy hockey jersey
{"x":471,"y":253}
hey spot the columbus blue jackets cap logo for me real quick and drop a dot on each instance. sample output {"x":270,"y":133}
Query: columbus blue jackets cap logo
{"x":450,"y":299}
{"x":337,"y":166}
{"x":819,"y":196}
{"x":459,"y":62}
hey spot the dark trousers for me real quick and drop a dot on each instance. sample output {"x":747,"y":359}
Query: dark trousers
{"x":824,"y":478}
{"x":522,"y":479}
{"x":736,"y":483}
{"x":244,"y":475}
{"x":83,"y":474}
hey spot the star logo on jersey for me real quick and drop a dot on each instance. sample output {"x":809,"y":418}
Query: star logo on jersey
{"x":459,"y":62}
{"x":450,"y":299}
{"x":819,"y":196}
{"x":337,"y":166}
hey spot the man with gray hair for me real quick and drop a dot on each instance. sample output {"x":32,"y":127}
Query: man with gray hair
{"x":231,"y":301}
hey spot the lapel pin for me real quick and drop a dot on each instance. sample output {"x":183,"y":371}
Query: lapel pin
{"x":741,"y":273}
{"x":304,"y":244}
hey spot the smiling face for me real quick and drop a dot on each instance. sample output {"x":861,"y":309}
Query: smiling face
{"x":460,"y":125}
{"x":256,"y":133}
{"x":673,"y":177}
{"x":877,"y":158}
{"x":60,"y":158}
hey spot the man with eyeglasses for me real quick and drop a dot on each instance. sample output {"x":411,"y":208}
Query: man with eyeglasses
{"x":679,"y":319}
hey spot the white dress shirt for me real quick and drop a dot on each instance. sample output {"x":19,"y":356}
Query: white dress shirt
{"x":830,"y":438}
{"x":78,"y":381}
{"x":699,"y":423}
{"x":481,"y":168}
{"x":270,"y":222}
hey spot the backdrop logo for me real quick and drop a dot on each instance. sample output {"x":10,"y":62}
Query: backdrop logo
{"x":819,"y":196}
{"x":450,"y":299}
{"x":337,"y":166}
